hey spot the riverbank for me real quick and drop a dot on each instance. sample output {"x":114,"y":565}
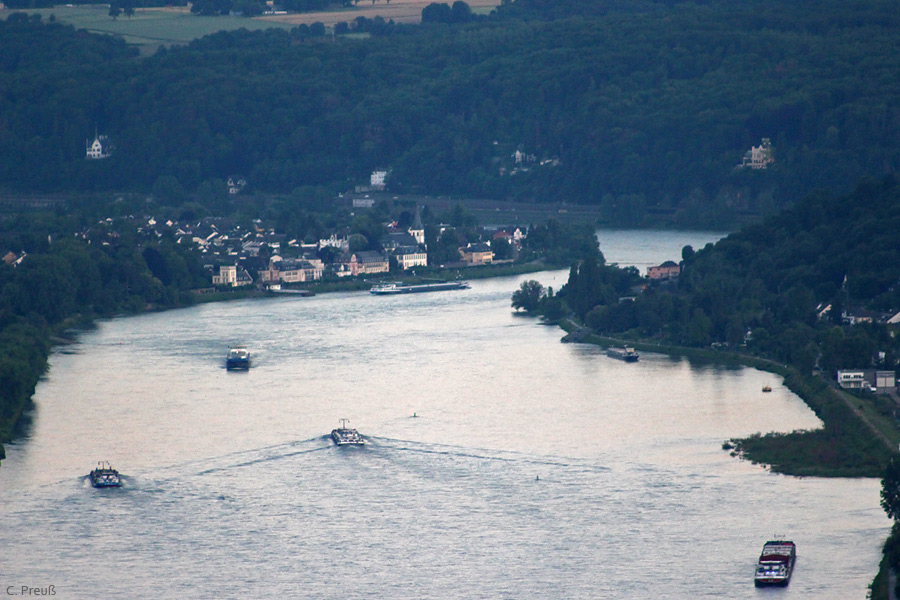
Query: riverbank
{"x":856,"y":440}
{"x":13,"y":422}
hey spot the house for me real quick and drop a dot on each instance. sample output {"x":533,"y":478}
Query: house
{"x":477,"y":254}
{"x":759,"y":157}
{"x":513,"y":235}
{"x":341,"y":243}
{"x":252,"y":248}
{"x":378,"y":179}
{"x":823,"y":310}
{"x":502,"y":234}
{"x":281,"y":270}
{"x":13,"y":259}
{"x":368,"y":262}
{"x":98,"y":149}
{"x":235,"y":185}
{"x":667,"y":270}
{"x":410,"y":256}
{"x":232,"y":276}
{"x":341,"y":267}
{"x":853,"y":316}
{"x":852,"y":379}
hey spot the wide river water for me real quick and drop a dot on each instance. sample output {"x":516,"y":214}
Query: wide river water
{"x":501,"y":463}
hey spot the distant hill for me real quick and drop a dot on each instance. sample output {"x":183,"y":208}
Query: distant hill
{"x":643,"y":108}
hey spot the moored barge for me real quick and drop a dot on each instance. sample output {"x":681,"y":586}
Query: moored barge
{"x":625,"y":353}
{"x":393,"y":288}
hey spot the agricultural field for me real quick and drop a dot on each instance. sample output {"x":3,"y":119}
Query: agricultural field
{"x":401,"y":11}
{"x":150,"y":28}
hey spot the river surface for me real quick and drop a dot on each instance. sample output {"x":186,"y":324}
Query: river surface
{"x":501,"y":463}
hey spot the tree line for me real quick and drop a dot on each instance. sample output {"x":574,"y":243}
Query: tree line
{"x":782,"y":287}
{"x":646,"y":113}
{"x":67,"y":281}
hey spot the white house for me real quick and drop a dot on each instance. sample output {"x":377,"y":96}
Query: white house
{"x":292,"y":270}
{"x":99,"y":148}
{"x":342,"y":243}
{"x":759,"y":157}
{"x":378,"y":179}
{"x":411,"y":256}
{"x":231,"y":275}
{"x":852,"y":380}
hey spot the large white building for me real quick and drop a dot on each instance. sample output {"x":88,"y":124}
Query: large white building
{"x":759,"y":157}
{"x":378,"y":179}
{"x":852,"y":380}
{"x":292,"y":270}
{"x":232,"y":276}
{"x":99,"y":148}
{"x":411,"y":256}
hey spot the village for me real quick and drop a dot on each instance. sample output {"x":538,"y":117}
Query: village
{"x":263,"y":258}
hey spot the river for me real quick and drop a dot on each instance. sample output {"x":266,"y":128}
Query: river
{"x":500,"y":464}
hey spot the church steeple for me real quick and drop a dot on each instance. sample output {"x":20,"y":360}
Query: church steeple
{"x":417,"y":230}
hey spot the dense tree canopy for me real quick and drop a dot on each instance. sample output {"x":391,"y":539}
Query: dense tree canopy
{"x":643,"y":108}
{"x":770,"y":285}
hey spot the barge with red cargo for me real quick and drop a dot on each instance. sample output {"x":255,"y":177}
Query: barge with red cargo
{"x":776,"y":563}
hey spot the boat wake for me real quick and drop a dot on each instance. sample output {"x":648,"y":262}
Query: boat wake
{"x":482,"y":454}
{"x":262,"y":459}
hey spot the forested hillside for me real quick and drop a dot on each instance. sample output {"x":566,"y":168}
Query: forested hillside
{"x":779,"y":294}
{"x":644,"y":108}
{"x":787,"y":281}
